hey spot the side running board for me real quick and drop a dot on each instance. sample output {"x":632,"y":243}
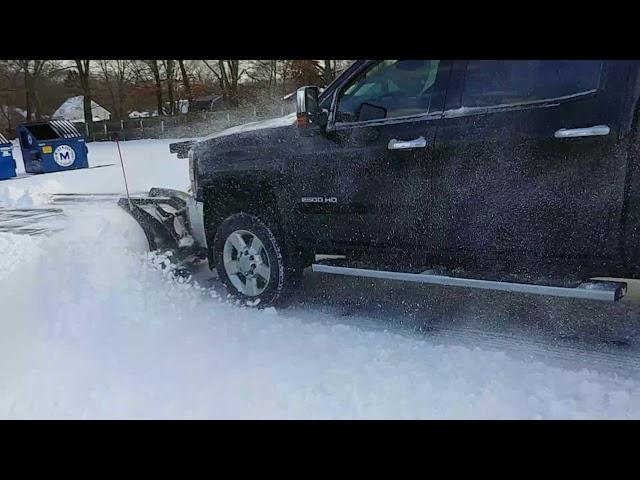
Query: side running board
{"x":591,"y":290}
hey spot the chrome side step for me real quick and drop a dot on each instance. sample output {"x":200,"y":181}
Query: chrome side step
{"x":592,"y":290}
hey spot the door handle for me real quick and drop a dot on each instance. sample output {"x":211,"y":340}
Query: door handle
{"x":594,"y":131}
{"x":394,"y":144}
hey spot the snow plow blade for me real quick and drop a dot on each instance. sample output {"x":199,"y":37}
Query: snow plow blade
{"x":166,"y":217}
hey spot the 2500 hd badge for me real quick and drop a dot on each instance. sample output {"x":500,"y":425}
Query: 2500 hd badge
{"x":319,"y":199}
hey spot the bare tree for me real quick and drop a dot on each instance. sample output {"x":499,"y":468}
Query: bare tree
{"x":155,"y":70}
{"x":185,"y":81}
{"x":32,"y":71}
{"x":305,"y":72}
{"x":328,"y":72}
{"x":170,"y":71}
{"x":9,"y":79}
{"x":284,"y":71}
{"x":340,"y":66}
{"x":84,"y":74}
{"x":263,"y":71}
{"x":228,"y":74}
{"x":118,"y":77}
{"x":201,"y":73}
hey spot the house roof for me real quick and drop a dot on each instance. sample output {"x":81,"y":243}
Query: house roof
{"x":73,"y":109}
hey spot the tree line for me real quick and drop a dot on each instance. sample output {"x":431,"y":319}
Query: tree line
{"x":31,"y":90}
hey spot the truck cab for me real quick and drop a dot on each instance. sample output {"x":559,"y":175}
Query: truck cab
{"x":505,"y":172}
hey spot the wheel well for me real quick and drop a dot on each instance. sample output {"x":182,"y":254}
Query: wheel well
{"x":230,"y":196}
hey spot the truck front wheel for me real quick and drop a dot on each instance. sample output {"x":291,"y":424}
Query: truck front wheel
{"x":252,"y":262}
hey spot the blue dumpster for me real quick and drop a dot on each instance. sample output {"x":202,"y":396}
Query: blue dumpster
{"x":52,"y":146}
{"x":7,"y":163}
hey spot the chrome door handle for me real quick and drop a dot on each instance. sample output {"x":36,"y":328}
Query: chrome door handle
{"x":594,"y":131}
{"x":394,"y":144}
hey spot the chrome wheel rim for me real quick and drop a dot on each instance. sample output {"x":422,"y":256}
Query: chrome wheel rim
{"x":246,"y":263}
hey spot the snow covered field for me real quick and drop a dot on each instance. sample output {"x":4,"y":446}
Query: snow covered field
{"x":92,"y":327}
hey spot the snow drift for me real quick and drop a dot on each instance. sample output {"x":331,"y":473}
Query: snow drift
{"x":94,"y":326}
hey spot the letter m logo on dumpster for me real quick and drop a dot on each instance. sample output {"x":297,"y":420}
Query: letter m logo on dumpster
{"x":64,"y":155}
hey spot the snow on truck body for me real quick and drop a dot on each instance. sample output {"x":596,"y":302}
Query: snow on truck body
{"x":520,"y":173}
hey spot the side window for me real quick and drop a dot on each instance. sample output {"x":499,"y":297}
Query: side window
{"x":503,"y":82}
{"x":390,"y":88}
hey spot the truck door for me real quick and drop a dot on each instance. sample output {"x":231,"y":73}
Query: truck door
{"x":527,"y":163}
{"x":367,"y":182}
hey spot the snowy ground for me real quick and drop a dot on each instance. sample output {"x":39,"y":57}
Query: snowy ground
{"x":92,"y":327}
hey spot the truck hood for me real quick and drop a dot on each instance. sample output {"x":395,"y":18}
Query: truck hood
{"x":263,"y":124}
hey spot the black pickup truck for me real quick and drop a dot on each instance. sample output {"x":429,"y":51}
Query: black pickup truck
{"x":514,"y":175}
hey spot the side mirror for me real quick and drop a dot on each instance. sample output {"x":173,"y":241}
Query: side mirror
{"x":309,"y":117}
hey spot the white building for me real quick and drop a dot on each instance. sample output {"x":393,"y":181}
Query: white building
{"x":73,"y":110}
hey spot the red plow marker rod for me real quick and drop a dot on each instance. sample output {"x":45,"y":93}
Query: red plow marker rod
{"x":124,"y":175}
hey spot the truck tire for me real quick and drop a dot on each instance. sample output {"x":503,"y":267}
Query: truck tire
{"x":252,"y":262}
